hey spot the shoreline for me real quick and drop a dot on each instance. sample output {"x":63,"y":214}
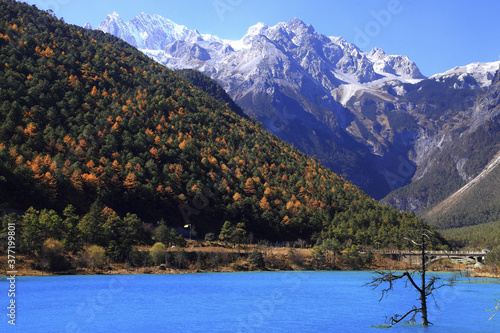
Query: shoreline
{"x":478,"y":275}
{"x":202,"y":257}
{"x":274,"y":262}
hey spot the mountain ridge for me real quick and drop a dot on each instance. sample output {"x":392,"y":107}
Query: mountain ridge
{"x":295,"y":30}
{"x":370,"y":116}
{"x":138,"y":31}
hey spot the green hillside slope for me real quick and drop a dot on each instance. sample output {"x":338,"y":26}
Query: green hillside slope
{"x":483,"y":236}
{"x":475,"y":204}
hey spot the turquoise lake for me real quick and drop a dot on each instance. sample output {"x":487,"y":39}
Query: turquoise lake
{"x":236,"y":302}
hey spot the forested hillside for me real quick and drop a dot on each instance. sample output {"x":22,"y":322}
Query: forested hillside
{"x":482,"y":236}
{"x":476,"y":203}
{"x":88,"y":120}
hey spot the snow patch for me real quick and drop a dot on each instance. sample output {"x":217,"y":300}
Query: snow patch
{"x":483,"y":73}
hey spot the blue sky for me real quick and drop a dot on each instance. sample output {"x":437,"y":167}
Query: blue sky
{"x":436,"y":35}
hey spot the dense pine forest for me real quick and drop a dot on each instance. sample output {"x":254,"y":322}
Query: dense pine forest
{"x":103,"y":143}
{"x":483,"y":236}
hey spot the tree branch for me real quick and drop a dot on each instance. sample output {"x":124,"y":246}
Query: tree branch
{"x":397,"y":318}
{"x":412,"y":282}
{"x":385,"y":277}
{"x":430,"y":287}
{"x":495,"y":310}
{"x":411,"y":240}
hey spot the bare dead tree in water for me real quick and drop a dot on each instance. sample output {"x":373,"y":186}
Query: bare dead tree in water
{"x":425,"y":287}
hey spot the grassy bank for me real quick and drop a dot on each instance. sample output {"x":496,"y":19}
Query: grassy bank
{"x":198,"y":257}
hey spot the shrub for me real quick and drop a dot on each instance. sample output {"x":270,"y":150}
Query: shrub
{"x":94,"y":256}
{"x":157,"y":253}
{"x":168,"y":236}
{"x":140,"y":258}
{"x":52,"y":255}
{"x":181,"y":260}
{"x":210,"y":237}
{"x":257,"y":260}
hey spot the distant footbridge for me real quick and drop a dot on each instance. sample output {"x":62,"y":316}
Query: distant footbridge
{"x":415,"y":256}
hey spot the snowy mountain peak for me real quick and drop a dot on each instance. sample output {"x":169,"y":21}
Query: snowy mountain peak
{"x":296,"y":22}
{"x":340,"y":41}
{"x":297,"y":25}
{"x":398,"y":65}
{"x":376,"y":53}
{"x":194,"y":36}
{"x":257,"y":29}
{"x":113,"y":18}
{"x":300,"y":28}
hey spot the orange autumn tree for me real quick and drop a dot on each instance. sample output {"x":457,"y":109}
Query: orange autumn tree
{"x":130,"y":181}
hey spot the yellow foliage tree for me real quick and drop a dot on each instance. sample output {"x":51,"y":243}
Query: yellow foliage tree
{"x":264,"y":204}
{"x":249,"y":187}
{"x":183,"y":144}
{"x":116,"y":165}
{"x":130,"y":181}
{"x":30,"y":130}
{"x":153,"y":151}
{"x":237,"y":197}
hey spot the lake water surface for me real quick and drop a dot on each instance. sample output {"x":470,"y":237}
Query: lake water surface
{"x":236,"y":302}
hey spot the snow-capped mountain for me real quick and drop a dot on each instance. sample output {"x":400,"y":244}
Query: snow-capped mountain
{"x":368,"y":115}
{"x":331,"y":60}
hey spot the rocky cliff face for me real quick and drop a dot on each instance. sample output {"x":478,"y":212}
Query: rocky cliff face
{"x":461,"y":138}
{"x":370,"y":116}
